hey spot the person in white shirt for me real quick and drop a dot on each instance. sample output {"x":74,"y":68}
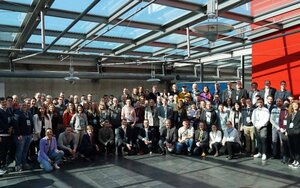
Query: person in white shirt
{"x":185,"y":137}
{"x":215,"y":138}
{"x":260,"y":119}
{"x":231,"y":141}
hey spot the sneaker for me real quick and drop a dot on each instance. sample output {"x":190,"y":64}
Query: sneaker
{"x":18,"y":168}
{"x":56,"y":166}
{"x":2,"y":172}
{"x":41,"y":166}
{"x":264,"y":157}
{"x":292,"y":165}
{"x":216,"y":154}
{"x":150,"y":152}
{"x":257,"y":155}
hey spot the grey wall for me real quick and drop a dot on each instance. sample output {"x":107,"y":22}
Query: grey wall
{"x":29,"y":86}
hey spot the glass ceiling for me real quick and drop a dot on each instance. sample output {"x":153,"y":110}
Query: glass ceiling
{"x":108,"y":7}
{"x":157,"y":14}
{"x":147,"y":26}
{"x":123,"y":32}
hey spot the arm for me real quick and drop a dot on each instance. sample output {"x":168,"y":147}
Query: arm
{"x":42,"y":150}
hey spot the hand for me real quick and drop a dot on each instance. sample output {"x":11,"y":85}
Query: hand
{"x":50,"y":161}
{"x":20,"y":137}
{"x":10,"y":130}
{"x":70,"y":150}
{"x":128,"y":146}
{"x":198,"y":144}
{"x":97,"y":148}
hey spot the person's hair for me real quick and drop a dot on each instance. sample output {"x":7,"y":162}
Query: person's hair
{"x":90,"y":127}
{"x":204,"y":124}
{"x":40,"y":114}
{"x":78,"y":106}
{"x":2,"y":99}
{"x":292,"y":109}
{"x":68,"y":109}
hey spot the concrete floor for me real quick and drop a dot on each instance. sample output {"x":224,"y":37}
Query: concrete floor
{"x":160,"y":171}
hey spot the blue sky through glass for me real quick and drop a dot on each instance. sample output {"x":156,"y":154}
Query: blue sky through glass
{"x":11,"y":18}
{"x":123,"y":32}
{"x":71,"y":5}
{"x":107,"y":7}
{"x":28,"y":2}
{"x":6,"y":36}
{"x":150,"y":49}
{"x":157,"y":14}
{"x":100,"y":44}
{"x":83,"y":27}
{"x":62,"y":41}
{"x":243,"y":9}
{"x":200,"y":2}
{"x":174,"y":39}
{"x":55,"y":23}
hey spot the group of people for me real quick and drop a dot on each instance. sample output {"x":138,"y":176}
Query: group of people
{"x":260,"y":123}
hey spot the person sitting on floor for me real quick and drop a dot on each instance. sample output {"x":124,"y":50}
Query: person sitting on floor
{"x":201,"y":140}
{"x":168,"y":137}
{"x":231,"y":141}
{"x":49,"y":154}
{"x":88,"y":147}
{"x":124,"y":138}
{"x":185,"y":137}
{"x":106,"y":137}
{"x":215,"y":139}
{"x":146,"y":139}
{"x":67,"y":142}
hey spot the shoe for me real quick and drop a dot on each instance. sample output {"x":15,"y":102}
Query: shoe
{"x":258,"y":155}
{"x":292,"y":165}
{"x":2,"y":172}
{"x":18,"y":168}
{"x":150,"y":152}
{"x":216,"y":154}
{"x":26,"y":166}
{"x":41,"y":166}
{"x":203,"y":154}
{"x":56,"y":166}
{"x":163,"y":153}
{"x":264,"y":157}
{"x":189,"y":153}
{"x":229,"y":157}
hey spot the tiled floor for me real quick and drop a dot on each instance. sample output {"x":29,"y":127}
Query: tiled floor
{"x":160,"y":171}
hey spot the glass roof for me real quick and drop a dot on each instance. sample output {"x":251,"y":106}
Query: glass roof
{"x":12,"y":18}
{"x":76,"y":5}
{"x":174,"y":39}
{"x":83,"y":27}
{"x":107,"y":7}
{"x":123,"y":32}
{"x":200,"y":2}
{"x":28,"y":2}
{"x":6,"y":36}
{"x":157,"y":14}
{"x":56,"y":23}
{"x":100,"y":44}
{"x":150,"y":49}
{"x":243,"y":9}
{"x":48,"y":40}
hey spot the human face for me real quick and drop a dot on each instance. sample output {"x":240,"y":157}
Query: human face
{"x":229,"y":124}
{"x":69,"y":130}
{"x":248,"y":102}
{"x":168,"y":124}
{"x":237,"y":106}
{"x":214,"y":128}
{"x":208,"y":105}
{"x":3,"y":104}
{"x":205,"y":89}
{"x":295,"y":106}
{"x":270,"y":100}
{"x":146,"y":123}
{"x":71,"y":106}
{"x":221,"y":108}
{"x":49,"y":133}
{"x":124,"y":122}
{"x":201,"y":126}
{"x":128,"y":102}
{"x":260,"y":103}
{"x":186,"y":124}
{"x":42,"y":110}
{"x":80,"y":109}
{"x":89,"y":130}
{"x":51,"y":108}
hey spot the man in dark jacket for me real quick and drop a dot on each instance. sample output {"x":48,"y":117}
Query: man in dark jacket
{"x":146,"y":139}
{"x":208,"y":116}
{"x":124,"y":138}
{"x":168,"y":137}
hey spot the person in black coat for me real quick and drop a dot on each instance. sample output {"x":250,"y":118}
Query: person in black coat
{"x":88,"y":147}
{"x":201,"y":140}
{"x":124,"y":138}
{"x":168,"y":137}
{"x":146,"y":139}
{"x":209,"y":116}
{"x":293,"y":131}
{"x":268,"y":90}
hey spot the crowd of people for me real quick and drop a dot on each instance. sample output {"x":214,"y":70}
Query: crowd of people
{"x":258,"y":123}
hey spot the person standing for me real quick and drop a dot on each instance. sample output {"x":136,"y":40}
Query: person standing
{"x":260,"y":119}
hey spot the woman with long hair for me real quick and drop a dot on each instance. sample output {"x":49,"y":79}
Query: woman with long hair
{"x":68,"y":114}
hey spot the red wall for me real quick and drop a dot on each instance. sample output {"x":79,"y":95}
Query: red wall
{"x":277,"y":59}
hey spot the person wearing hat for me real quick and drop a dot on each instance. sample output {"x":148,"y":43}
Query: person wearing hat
{"x":267,"y":91}
{"x":282,"y":93}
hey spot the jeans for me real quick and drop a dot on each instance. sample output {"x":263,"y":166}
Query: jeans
{"x":275,"y":134}
{"x":261,"y":136}
{"x":5,"y":145}
{"x":187,"y":143}
{"x":55,"y":156}
{"x":22,"y":147}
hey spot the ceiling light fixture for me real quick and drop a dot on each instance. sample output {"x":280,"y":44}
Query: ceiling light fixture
{"x":212,"y":28}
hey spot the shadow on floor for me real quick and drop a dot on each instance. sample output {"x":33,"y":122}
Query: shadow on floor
{"x":39,"y":183}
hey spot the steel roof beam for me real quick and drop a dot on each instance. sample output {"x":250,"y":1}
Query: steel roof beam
{"x":30,"y":23}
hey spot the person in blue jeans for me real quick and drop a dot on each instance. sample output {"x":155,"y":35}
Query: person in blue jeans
{"x":185,"y":137}
{"x":23,"y":126}
{"x":49,"y":156}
